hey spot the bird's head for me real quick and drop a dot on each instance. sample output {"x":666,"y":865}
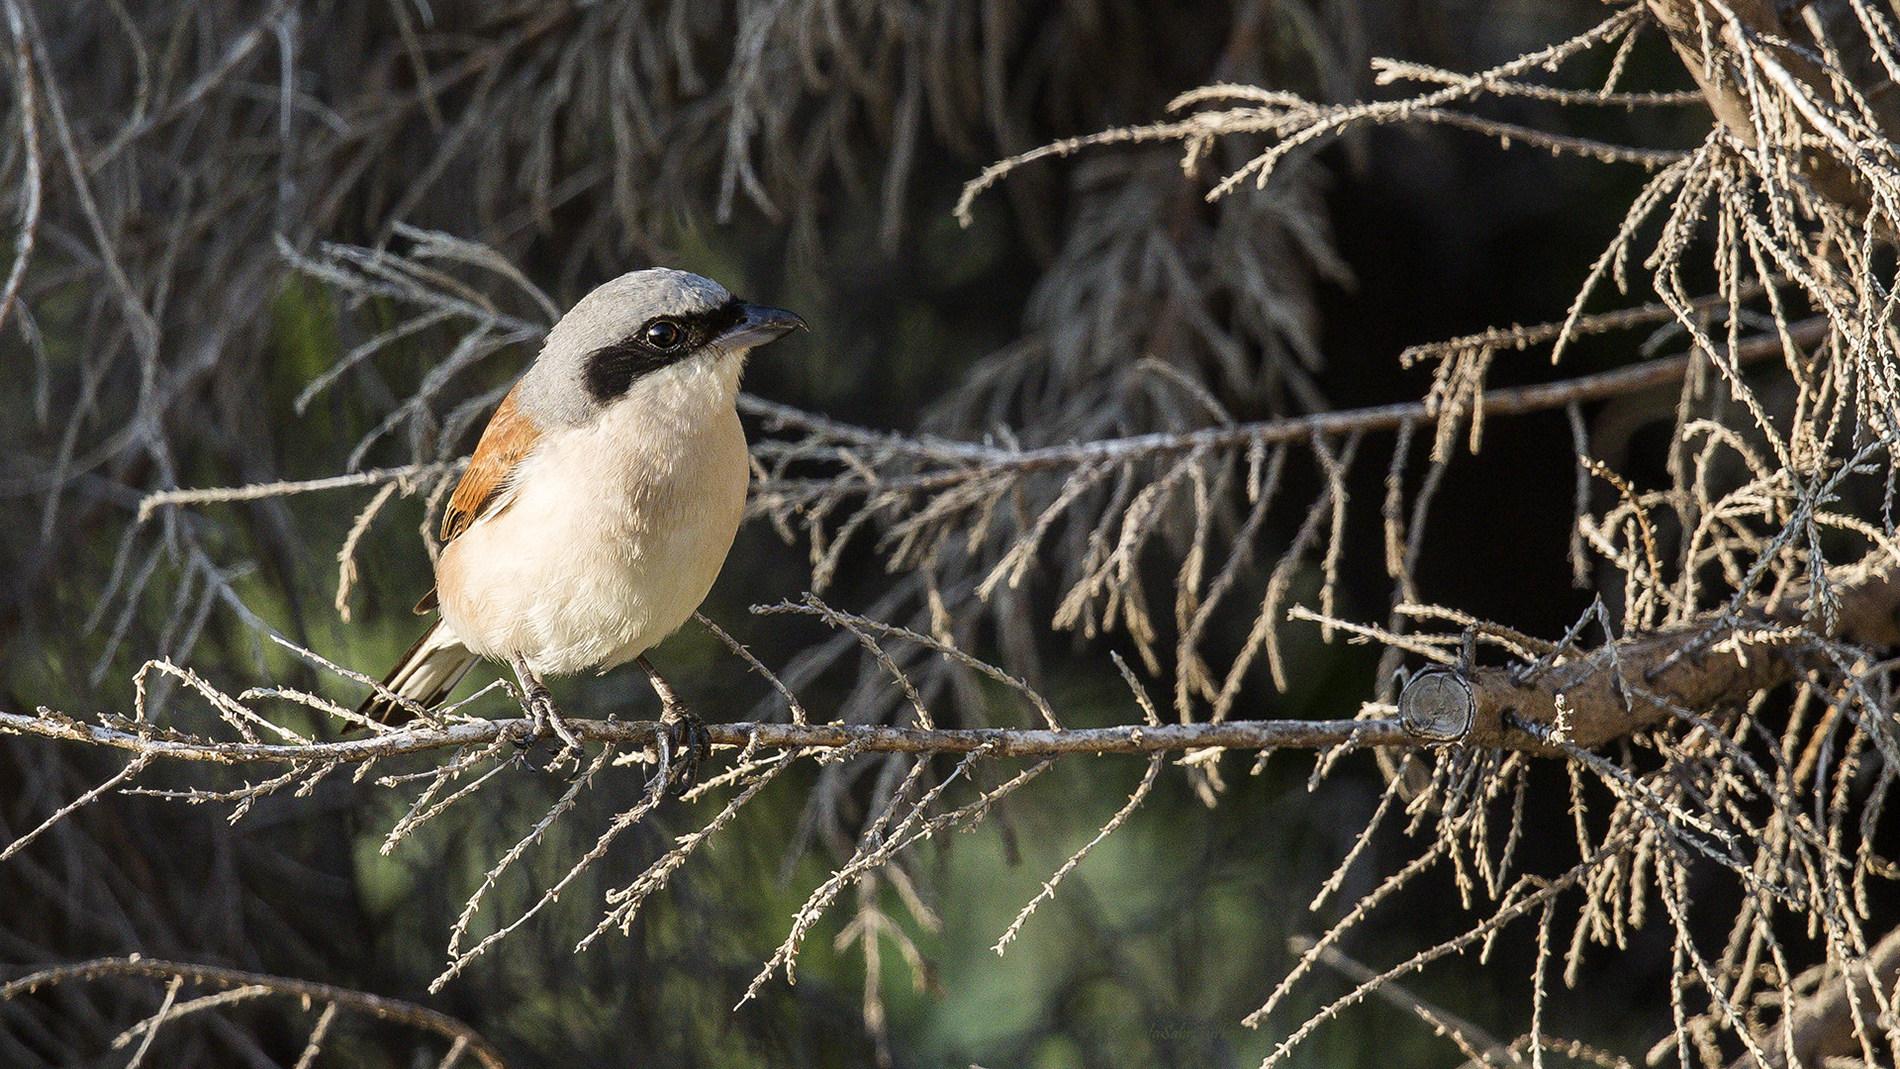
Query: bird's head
{"x":643,"y":323}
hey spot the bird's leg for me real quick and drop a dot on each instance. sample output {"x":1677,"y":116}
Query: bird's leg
{"x":682,"y":740}
{"x":542,"y":711}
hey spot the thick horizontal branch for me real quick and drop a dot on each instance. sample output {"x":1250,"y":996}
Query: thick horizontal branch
{"x":1593,"y":696}
{"x":869,"y":738}
{"x":388,"y":1009}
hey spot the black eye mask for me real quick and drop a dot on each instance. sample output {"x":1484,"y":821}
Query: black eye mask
{"x":611,"y":370}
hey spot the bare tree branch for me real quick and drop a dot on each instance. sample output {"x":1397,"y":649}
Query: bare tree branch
{"x":388,"y":1009}
{"x":858,"y":738}
{"x":970,"y":458}
{"x":1586,"y":698}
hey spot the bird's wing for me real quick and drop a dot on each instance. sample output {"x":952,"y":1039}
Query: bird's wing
{"x":508,"y":439}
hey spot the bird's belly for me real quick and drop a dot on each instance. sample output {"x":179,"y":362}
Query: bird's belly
{"x":600,"y":554}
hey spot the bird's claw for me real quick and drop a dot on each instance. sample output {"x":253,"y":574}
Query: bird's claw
{"x":545,"y":720}
{"x":683,"y":742}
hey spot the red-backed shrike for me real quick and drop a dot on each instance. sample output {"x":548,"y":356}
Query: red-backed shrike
{"x":602,"y":498}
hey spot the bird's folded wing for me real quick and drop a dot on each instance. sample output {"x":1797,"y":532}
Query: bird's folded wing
{"x":510,"y":437}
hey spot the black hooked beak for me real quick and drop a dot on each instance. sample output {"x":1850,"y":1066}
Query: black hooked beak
{"x":760,"y":324}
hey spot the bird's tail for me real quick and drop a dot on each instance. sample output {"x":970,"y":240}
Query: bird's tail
{"x":425,"y":675}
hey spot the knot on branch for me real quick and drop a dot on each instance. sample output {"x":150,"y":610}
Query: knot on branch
{"x":1438,"y":704}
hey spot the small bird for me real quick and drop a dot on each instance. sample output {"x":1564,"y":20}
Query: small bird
{"x":601,"y":500}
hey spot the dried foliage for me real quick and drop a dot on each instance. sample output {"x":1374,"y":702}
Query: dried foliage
{"x":1153,"y":463}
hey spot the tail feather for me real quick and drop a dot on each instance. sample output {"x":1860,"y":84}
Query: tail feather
{"x":425,"y":675}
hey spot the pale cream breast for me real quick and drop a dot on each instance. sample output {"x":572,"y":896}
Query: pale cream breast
{"x":614,"y":532}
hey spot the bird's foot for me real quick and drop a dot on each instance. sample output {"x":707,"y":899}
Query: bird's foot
{"x":683,"y":742}
{"x":545,"y":719}
{"x":548,"y":720}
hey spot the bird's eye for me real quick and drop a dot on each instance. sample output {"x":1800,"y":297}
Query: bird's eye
{"x":664,"y":334}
